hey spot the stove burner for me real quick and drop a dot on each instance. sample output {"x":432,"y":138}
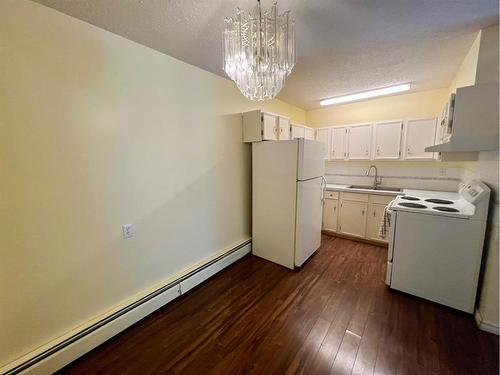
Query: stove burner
{"x":408,"y":198}
{"x":412,"y":205}
{"x":439,"y":201}
{"x":445,"y":209}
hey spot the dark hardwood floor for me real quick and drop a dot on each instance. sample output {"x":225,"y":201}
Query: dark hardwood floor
{"x":334,"y":316}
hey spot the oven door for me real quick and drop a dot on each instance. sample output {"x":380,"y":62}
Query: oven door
{"x":390,"y":249}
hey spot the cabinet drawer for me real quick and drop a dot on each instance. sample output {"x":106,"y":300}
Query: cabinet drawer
{"x":381,"y":199}
{"x":357,"y":197}
{"x":331,"y":194}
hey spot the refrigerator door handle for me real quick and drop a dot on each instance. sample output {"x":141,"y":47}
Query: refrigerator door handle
{"x":323,"y":188}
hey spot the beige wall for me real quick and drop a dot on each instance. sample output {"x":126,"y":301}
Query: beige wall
{"x":487,"y":61}
{"x":98,"y":131}
{"x":418,"y":104}
{"x":466,"y":74}
{"x":487,"y":170}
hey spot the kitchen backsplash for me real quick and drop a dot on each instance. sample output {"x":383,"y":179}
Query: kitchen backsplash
{"x":426,"y":178}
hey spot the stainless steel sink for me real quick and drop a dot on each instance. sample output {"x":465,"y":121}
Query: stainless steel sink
{"x":378,"y":188}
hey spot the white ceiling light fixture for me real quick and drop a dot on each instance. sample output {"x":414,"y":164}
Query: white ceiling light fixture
{"x":259,"y":51}
{"x":366,"y":94}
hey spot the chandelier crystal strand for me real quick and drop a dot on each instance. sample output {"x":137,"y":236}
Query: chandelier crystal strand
{"x":259,"y":51}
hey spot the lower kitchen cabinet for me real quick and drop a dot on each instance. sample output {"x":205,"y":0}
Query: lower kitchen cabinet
{"x":330,"y":214}
{"x":373,"y":220}
{"x":352,"y":218}
{"x":355,"y":214}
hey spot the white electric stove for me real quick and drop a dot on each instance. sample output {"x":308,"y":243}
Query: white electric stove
{"x":436,"y":243}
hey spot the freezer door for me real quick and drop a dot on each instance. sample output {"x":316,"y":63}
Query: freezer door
{"x":311,"y":161}
{"x":308,"y":219}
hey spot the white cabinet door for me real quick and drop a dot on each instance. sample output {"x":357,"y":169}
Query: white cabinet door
{"x":420,"y":133}
{"x":353,"y":218}
{"x":284,"y":128}
{"x":339,"y":135}
{"x":309,"y":133}
{"x":323,"y":136}
{"x":330,"y":214}
{"x":269,"y":127}
{"x":375,"y":214}
{"x":387,"y":140}
{"x":359,"y":140}
{"x":298,"y":131}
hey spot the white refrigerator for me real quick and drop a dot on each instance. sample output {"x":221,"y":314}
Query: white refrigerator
{"x":287,"y":200}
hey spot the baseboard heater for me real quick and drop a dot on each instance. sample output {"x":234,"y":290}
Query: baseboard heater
{"x":66,"y":351}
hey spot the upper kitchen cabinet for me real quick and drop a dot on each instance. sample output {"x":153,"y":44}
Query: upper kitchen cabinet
{"x":301,"y":131}
{"x":309,"y":133}
{"x":323,"y":136}
{"x":419,"y":134}
{"x":260,"y":126}
{"x":338,"y":143}
{"x":284,"y":128}
{"x":359,"y":140}
{"x":297,"y":131}
{"x":264,"y":126}
{"x":387,"y":140}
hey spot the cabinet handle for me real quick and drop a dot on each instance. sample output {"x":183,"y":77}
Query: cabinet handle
{"x":374,"y":214}
{"x":408,"y":150}
{"x":363,"y":212}
{"x":334,"y":208}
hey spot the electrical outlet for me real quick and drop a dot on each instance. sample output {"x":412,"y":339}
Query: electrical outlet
{"x":442,"y":172}
{"x":128,"y":230}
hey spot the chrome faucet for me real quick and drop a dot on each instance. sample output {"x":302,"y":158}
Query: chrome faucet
{"x":376,"y":180}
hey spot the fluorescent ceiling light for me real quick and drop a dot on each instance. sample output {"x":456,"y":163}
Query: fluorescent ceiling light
{"x":366,"y":94}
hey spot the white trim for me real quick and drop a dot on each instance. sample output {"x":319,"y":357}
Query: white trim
{"x":199,"y":277}
{"x":134,"y":311}
{"x":485,"y":326}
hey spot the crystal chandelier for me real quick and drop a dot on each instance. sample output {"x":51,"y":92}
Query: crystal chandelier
{"x":259,"y":51}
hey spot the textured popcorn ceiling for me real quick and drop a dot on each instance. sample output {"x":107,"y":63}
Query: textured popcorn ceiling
{"x":344,"y":46}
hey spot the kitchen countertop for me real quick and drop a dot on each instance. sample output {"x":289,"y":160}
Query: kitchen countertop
{"x":364,"y":191}
{"x":413,"y":192}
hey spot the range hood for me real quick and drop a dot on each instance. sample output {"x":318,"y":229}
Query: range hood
{"x":475,"y":120}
